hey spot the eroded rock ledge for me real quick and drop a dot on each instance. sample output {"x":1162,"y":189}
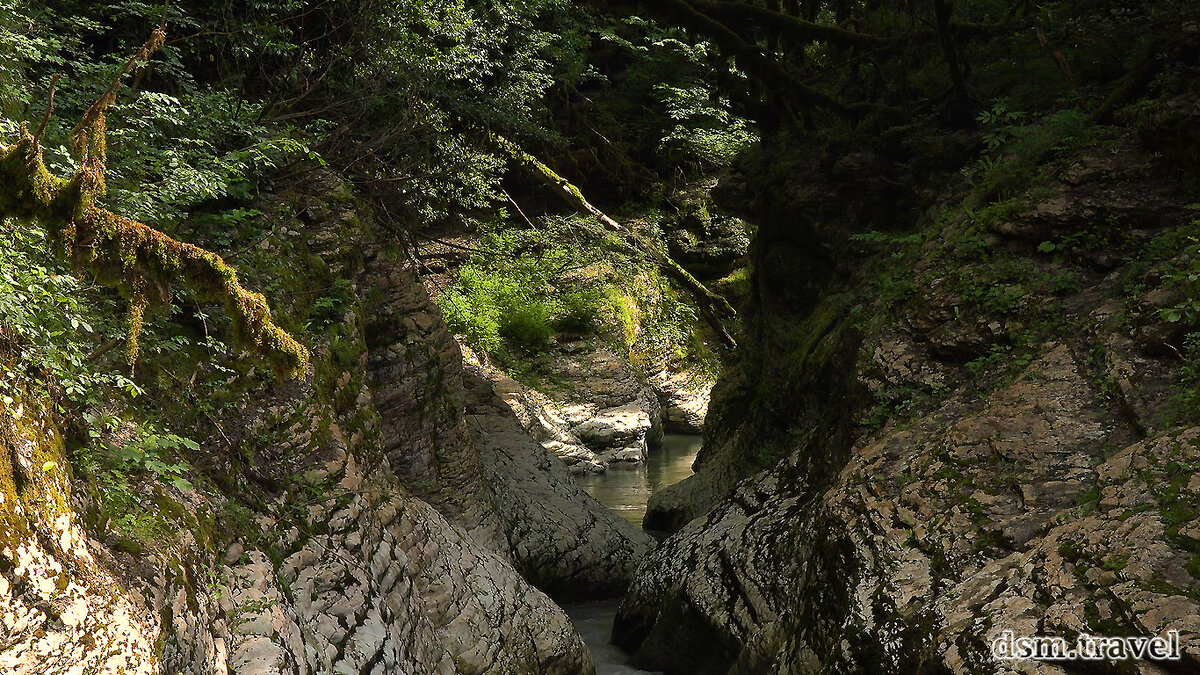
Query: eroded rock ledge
{"x":400,"y":518}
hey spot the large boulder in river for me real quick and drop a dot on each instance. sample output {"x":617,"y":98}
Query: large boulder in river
{"x":617,"y":434}
{"x":606,"y":401}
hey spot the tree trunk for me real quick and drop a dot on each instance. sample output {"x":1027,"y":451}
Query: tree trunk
{"x":943,"y":9}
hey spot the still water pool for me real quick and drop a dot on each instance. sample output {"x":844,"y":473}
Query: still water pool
{"x":626,"y":489}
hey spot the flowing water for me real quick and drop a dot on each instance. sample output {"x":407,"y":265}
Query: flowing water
{"x":594,"y":621}
{"x":626,"y":489}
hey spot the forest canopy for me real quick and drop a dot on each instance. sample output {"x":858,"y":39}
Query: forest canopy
{"x":420,"y":104}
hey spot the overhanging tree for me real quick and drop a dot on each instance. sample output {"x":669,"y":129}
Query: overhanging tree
{"x":139,"y":260}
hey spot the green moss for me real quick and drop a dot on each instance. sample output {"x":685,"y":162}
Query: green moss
{"x":40,"y":494}
{"x":626,"y":310}
{"x":736,"y":284}
{"x":12,"y":526}
{"x":138,"y":259}
{"x":1115,"y":563}
{"x":1069,"y":549}
{"x":821,"y":338}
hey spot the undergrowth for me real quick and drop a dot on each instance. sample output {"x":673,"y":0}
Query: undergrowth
{"x":524,"y":291}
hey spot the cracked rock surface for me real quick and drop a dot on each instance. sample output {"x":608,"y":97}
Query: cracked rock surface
{"x":390,"y":515}
{"x":890,"y":495}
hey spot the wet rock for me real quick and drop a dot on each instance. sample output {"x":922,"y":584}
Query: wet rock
{"x":684,"y":397}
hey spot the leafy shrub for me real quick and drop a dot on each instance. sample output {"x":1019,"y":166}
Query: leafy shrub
{"x":154,"y":453}
{"x":521,"y":288}
{"x":527,"y":328}
{"x":330,"y":307}
{"x":48,"y":320}
{"x":465,"y":316}
{"x":1185,"y":404}
{"x":508,"y":301}
{"x":1183,"y":273}
{"x":1021,"y":151}
{"x":580,"y":310}
{"x":707,"y":134}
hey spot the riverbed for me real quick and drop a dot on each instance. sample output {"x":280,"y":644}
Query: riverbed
{"x":626,"y":490}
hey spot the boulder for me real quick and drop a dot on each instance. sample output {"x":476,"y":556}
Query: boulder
{"x":617,"y":434}
{"x":684,"y":397}
{"x":605,"y":401}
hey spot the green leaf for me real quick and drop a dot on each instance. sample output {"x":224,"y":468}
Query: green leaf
{"x":182,"y":484}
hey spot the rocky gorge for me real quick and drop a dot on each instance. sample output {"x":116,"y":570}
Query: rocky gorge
{"x":1033,"y":481}
{"x":417,"y":548}
{"x":687,"y":337}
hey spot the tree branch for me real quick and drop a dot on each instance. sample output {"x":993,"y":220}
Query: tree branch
{"x":784,"y":25}
{"x":134,"y":257}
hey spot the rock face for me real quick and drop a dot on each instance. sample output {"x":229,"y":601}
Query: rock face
{"x":684,"y":398}
{"x":908,"y":488}
{"x":708,"y":245}
{"x":378,"y":590}
{"x":980,"y":518}
{"x":562,"y":539}
{"x":597,"y":409}
{"x":606,"y":402}
{"x":539,"y":416}
{"x":387,"y":514}
{"x":64,"y":606}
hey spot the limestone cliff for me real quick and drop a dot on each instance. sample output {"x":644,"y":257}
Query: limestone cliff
{"x":971,"y":421}
{"x":386,"y":514}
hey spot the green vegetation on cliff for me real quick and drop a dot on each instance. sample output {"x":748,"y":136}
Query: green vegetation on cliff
{"x":880,"y":203}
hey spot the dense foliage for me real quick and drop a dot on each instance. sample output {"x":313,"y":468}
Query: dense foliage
{"x":522,"y":291}
{"x":636,"y":103}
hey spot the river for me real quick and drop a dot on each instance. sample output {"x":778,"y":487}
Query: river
{"x":626,"y":490}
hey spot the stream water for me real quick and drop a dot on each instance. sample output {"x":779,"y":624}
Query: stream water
{"x":626,"y":491}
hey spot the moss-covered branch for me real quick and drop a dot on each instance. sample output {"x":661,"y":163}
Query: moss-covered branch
{"x":559,"y":185}
{"x":714,"y":307}
{"x":134,"y":257}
